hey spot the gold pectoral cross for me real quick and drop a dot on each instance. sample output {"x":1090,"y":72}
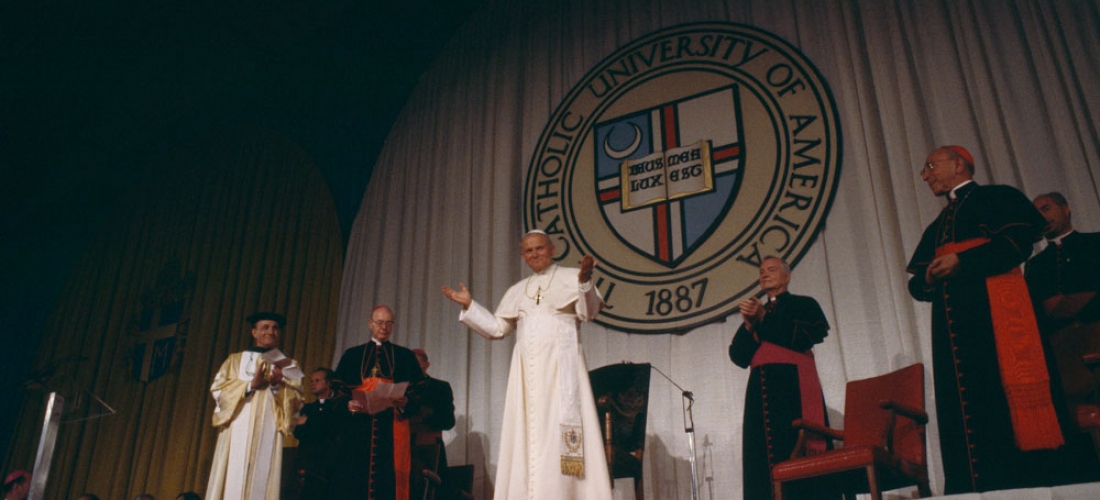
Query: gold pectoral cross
{"x":374,"y":372}
{"x":538,"y":296}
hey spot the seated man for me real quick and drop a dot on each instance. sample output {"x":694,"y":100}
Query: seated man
{"x":1063,"y":280}
{"x":436,"y":414}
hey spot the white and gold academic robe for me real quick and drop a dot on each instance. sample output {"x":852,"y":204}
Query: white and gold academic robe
{"x":549,"y":398}
{"x":249,"y":455}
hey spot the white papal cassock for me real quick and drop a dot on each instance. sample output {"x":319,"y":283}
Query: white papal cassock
{"x":549,"y":414}
{"x":248,"y":458}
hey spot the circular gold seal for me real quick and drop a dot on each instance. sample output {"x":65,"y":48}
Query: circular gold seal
{"x":679,"y":162}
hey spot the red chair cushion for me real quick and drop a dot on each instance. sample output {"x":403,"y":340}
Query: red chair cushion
{"x":847,"y":458}
{"x":1088,"y":417}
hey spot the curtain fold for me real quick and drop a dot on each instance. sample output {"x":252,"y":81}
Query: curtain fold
{"x":242,"y":221}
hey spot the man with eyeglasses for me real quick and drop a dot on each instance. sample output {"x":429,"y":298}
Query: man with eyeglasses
{"x":374,"y":450}
{"x":997,"y":423}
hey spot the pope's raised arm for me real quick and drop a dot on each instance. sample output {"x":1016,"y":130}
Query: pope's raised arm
{"x":461,"y":296}
{"x":549,"y":394}
{"x":588,"y":263}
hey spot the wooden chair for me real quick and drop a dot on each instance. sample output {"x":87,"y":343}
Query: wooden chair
{"x":883,"y":440}
{"x":1088,"y":414}
{"x":622,"y":397}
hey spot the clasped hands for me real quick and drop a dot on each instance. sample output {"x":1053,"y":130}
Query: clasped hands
{"x":262,"y":379}
{"x":752,"y":311}
{"x":942,"y":267}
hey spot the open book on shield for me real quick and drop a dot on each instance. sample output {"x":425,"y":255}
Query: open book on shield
{"x":666,"y":175}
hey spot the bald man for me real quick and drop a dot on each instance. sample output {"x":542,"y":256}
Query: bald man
{"x":373,"y":453}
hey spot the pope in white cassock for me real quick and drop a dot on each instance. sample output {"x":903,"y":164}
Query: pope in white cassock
{"x":550,"y":445}
{"x":254,"y":410}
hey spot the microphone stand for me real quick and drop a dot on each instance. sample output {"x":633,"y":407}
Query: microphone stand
{"x":689,"y":427}
{"x":60,"y":386}
{"x":708,"y":466}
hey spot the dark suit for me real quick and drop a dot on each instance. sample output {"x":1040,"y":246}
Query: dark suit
{"x":436,"y":414}
{"x":1071,"y":267}
{"x":1066,"y":268}
{"x":317,"y":443}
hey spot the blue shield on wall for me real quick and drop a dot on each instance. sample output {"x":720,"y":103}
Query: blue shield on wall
{"x":157,"y":328}
{"x":667,"y":176}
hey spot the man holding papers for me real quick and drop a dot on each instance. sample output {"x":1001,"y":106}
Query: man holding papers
{"x":373,"y":454}
{"x":257,"y":392}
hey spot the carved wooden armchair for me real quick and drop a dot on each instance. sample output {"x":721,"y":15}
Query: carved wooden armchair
{"x":622,"y":397}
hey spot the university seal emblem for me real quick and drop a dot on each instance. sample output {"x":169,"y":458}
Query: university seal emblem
{"x":679,"y":162}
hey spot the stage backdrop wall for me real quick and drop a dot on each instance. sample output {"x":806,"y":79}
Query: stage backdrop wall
{"x":1014,"y":81}
{"x":237,"y":221}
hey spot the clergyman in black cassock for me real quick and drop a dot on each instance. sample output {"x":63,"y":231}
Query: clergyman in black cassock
{"x":436,"y":414}
{"x":1063,"y":281}
{"x":776,"y":341}
{"x":317,"y":430}
{"x":369,"y":444}
{"x":975,"y":245}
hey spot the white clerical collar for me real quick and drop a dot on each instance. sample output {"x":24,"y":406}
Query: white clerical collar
{"x":376,"y":341}
{"x":547,"y":269}
{"x":1058,"y":239}
{"x":952,"y":195}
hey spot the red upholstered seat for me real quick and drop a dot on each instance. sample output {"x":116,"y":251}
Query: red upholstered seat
{"x":883,"y":440}
{"x":1088,"y":417}
{"x":1088,"y":414}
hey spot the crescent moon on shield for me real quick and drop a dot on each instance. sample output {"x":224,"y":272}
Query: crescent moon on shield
{"x":623,"y":153}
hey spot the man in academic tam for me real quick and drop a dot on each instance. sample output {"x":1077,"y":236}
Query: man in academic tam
{"x":255,"y":406}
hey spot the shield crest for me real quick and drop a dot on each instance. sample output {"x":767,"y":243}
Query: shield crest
{"x":666,"y":176}
{"x":158,"y":329}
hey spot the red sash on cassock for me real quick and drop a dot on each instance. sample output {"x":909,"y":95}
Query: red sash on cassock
{"x":1020,"y":356}
{"x":813,"y":404}
{"x":402,"y":453}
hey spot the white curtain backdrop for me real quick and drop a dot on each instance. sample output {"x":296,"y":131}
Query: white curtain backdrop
{"x":1015,"y":81}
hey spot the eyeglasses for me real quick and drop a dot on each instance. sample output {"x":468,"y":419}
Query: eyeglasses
{"x":930,"y":166}
{"x":383,"y":323}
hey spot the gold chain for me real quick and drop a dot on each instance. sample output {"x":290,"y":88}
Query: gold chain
{"x":375,"y":371}
{"x":538,"y":292}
